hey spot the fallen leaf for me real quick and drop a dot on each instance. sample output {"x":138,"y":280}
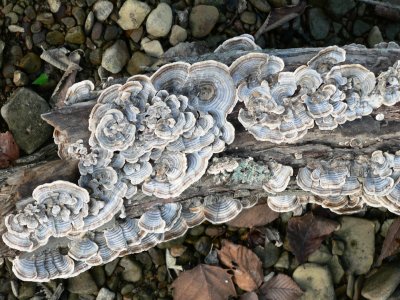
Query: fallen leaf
{"x":306,"y":234}
{"x":280,"y":287}
{"x":170,"y":261}
{"x":204,"y":283}
{"x":258,"y":215}
{"x":391,"y":244}
{"x":249,"y":296}
{"x":9,"y":150}
{"x":246,"y":266}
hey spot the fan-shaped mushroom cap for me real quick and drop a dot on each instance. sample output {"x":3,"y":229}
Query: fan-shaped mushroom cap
{"x":279,"y":178}
{"x":244,"y":42}
{"x":160,"y":218}
{"x":79,"y":92}
{"x":327,"y":58}
{"x":221,"y":209}
{"x":44,"y":266}
{"x":283,"y":203}
{"x":82,"y":249}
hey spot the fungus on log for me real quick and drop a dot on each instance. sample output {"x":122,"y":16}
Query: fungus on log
{"x":144,"y":147}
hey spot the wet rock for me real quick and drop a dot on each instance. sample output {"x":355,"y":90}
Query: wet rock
{"x":159,"y":21}
{"x":99,"y":275}
{"x":115,"y":57}
{"x":30,"y":12}
{"x":132,"y":14}
{"x":132,"y":270}
{"x":2,"y":45}
{"x":145,"y":260}
{"x":138,"y":61}
{"x":358,"y":236}
{"x":26,"y":290}
{"x":136,"y":34}
{"x":20,"y":78}
{"x":102,"y":9}
{"x":278,"y":3}
{"x":315,"y":281}
{"x":55,"y":38}
{"x":381,"y":284}
{"x":202,"y":20}
{"x":360,"y":27}
{"x":79,"y":15}
{"x":248,"y":17}
{"x":152,"y":48}
{"x":54,"y":5}
{"x":82,"y":284}
{"x":105,"y":294}
{"x":203,"y":245}
{"x":30,"y":63}
{"x":70,"y":22}
{"x":45,"y":18}
{"x":339,"y":7}
{"x":283,"y":261}
{"x":177,"y":250}
{"x":261,"y":5}
{"x":336,"y":269}
{"x":111,"y":32}
{"x":178,"y":34}
{"x":89,"y":22}
{"x":29,"y":131}
{"x":75,"y":35}
{"x":318,"y":23}
{"x":97,"y":31}
{"x":320,"y":256}
{"x":157,"y":256}
{"x":197,"y":230}
{"x":268,"y":255}
{"x":127,"y":289}
{"x":374,"y":36}
{"x":110,"y":267}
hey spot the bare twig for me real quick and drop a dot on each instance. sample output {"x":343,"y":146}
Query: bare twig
{"x":384,"y":4}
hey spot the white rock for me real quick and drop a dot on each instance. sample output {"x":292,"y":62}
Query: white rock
{"x":159,"y":21}
{"x":152,"y":48}
{"x":102,"y":9}
{"x":132,"y":14}
{"x":178,"y":34}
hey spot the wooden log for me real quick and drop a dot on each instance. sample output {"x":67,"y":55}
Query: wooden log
{"x":346,"y":142}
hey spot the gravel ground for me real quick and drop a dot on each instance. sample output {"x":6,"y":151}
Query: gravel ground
{"x":115,"y":44}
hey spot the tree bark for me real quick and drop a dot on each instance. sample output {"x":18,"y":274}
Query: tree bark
{"x":355,"y":138}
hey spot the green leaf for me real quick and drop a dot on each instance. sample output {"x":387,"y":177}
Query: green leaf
{"x":41,"y":80}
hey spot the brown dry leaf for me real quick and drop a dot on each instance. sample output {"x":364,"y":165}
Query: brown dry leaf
{"x":246,"y":266}
{"x":204,"y":282}
{"x":391,"y":244}
{"x":9,"y":150}
{"x":249,"y":296}
{"x":280,"y":287}
{"x":306,"y":234}
{"x":258,"y":215}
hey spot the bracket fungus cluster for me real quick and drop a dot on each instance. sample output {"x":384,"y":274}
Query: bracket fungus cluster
{"x":154,"y":136}
{"x":280,"y":107}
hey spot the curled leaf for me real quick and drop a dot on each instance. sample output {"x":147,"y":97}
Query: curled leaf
{"x":391,"y":244}
{"x":306,"y":234}
{"x":246,"y":266}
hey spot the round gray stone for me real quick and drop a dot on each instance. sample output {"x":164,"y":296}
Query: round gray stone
{"x":319,"y":23}
{"x":115,"y":57}
{"x":159,"y":21}
{"x":315,"y":280}
{"x":102,"y":9}
{"x":132,"y":14}
{"x":202,"y":20}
